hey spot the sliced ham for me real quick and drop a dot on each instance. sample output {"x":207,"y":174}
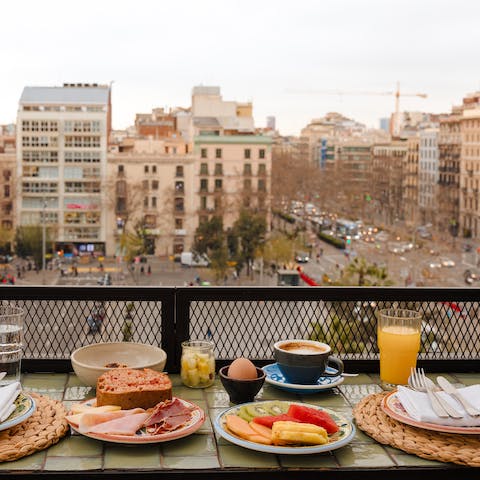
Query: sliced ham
{"x":165,"y":410}
{"x":127,"y":425}
{"x":88,"y":420}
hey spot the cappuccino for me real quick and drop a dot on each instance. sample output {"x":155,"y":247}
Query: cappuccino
{"x":301,"y":348}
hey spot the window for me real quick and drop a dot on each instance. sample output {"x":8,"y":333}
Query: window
{"x":218,"y":153}
{"x":179,"y":223}
{"x":6,"y":175}
{"x":6,"y":191}
{"x":203,"y":203}
{"x":179,"y":207}
{"x":145,"y":168}
{"x":261,"y":186}
{"x":120,"y":169}
{"x":179,"y":187}
{"x":154,"y":184}
{"x":203,"y":185}
{"x":145,"y":202}
{"x":262,"y":169}
{"x":247,"y":153}
{"x":247,"y":169}
{"x":121,"y":188}
{"x":218,"y":184}
{"x":145,"y":184}
{"x":121,"y":205}
{"x":154,"y":202}
{"x":204,"y":169}
{"x":247,"y":184}
{"x":203,"y":153}
{"x":261,"y":153}
{"x":179,"y":171}
{"x":218,"y":169}
{"x":154,"y":169}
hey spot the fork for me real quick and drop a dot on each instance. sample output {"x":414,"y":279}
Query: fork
{"x":419,"y":381}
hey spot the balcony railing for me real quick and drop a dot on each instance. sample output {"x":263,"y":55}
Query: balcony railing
{"x":246,"y":321}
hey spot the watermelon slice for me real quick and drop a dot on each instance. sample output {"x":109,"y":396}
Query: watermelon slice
{"x":312,"y":415}
{"x":269,"y":420}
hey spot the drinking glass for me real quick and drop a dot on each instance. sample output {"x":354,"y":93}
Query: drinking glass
{"x":197,"y":363}
{"x":398,"y":339}
{"x":11,"y":342}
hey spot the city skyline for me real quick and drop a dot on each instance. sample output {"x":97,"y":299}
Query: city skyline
{"x":157,"y":53}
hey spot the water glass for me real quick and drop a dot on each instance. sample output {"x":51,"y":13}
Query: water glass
{"x":11,"y":342}
{"x":398,"y":339}
{"x":197,"y":363}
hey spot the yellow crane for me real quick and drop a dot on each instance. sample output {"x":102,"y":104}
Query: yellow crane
{"x":396,"y":93}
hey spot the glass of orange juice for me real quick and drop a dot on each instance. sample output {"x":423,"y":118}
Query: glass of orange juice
{"x":398,"y":339}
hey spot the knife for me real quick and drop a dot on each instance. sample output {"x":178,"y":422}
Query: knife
{"x":451,"y":390}
{"x":2,"y":374}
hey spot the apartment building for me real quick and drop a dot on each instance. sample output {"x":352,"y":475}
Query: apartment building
{"x":470,"y":170}
{"x":388,"y":170}
{"x":62,"y":135}
{"x":411,"y":182}
{"x":428,"y":174}
{"x":7,"y":188}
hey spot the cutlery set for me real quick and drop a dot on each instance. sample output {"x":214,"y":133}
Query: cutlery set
{"x":420,"y":382}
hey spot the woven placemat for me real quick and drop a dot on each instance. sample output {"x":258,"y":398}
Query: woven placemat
{"x":445,"y":447}
{"x":45,"y":427}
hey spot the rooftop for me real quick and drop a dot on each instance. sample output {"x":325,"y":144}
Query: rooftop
{"x":65,"y":95}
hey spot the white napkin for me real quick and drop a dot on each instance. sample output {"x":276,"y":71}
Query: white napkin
{"x":419,"y":408}
{"x":8,"y":395}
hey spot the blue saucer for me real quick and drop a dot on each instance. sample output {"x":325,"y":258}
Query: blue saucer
{"x":275,"y":377}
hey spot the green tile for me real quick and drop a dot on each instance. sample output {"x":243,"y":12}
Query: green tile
{"x":74,"y":381}
{"x":132,"y":456}
{"x":363,"y":455}
{"x":323,"y":460}
{"x":79,"y":392}
{"x":330,"y":399}
{"x":188,"y":393}
{"x":30,"y":462}
{"x":361,"y":378}
{"x":73,"y":463}
{"x":76,"y":446}
{"x":193,"y":445}
{"x":468,"y":378}
{"x":273,"y":393}
{"x":355,"y":393}
{"x":191,"y":462}
{"x":405,"y":460}
{"x":218,"y":399}
{"x":234,"y":456}
{"x":44,"y":381}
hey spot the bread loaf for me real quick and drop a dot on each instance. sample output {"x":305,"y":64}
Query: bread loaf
{"x":132,"y":388}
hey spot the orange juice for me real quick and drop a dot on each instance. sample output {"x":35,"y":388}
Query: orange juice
{"x":399,"y":346}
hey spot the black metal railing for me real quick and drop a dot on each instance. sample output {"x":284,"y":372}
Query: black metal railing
{"x":244,"y":321}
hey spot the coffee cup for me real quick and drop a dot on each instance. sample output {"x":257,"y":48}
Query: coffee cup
{"x":305,"y":361}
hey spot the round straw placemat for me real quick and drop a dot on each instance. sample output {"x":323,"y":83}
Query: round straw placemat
{"x":444,"y":447}
{"x":45,"y":427}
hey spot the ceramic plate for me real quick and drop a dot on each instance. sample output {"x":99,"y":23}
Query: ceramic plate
{"x":275,"y":377}
{"x":25,"y":406}
{"x":337,"y":440}
{"x":392,"y":406}
{"x":142,"y":436}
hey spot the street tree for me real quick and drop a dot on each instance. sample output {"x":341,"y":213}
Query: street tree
{"x":29,"y":242}
{"x":360,"y":272}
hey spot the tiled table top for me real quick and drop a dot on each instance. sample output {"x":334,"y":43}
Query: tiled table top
{"x":204,"y":451}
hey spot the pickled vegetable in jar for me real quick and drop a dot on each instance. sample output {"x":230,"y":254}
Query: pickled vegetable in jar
{"x":197,"y":363}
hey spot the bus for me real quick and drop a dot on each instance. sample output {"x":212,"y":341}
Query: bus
{"x":346,"y":228}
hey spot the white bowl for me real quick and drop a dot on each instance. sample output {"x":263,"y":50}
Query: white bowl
{"x":89,"y":362}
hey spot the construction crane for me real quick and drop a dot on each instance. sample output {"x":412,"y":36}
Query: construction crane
{"x":396,"y":93}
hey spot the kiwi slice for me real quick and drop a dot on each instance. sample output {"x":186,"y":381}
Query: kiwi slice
{"x":243,"y":413}
{"x":257,"y":410}
{"x":276,"y":407}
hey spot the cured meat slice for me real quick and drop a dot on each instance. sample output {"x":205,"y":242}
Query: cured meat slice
{"x":167,"y":409}
{"x":88,"y":420}
{"x":172,"y":423}
{"x":127,"y":425}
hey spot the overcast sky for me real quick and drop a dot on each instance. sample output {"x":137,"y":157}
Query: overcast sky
{"x":284,"y":56}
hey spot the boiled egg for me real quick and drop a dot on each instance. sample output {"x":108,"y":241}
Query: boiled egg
{"x":242,"y":369}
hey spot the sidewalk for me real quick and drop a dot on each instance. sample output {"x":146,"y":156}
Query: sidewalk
{"x":49,"y":277}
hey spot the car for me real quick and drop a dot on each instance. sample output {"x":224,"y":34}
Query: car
{"x":302,"y":257}
{"x":447,"y":262}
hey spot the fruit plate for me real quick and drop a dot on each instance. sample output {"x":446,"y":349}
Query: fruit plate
{"x":392,"y":406}
{"x":275,"y":377}
{"x":24,"y":408}
{"x":142,"y":436}
{"x":337,"y":440}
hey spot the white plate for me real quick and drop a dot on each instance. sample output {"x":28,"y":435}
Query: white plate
{"x":337,"y":440}
{"x":142,"y":436}
{"x":275,"y":377}
{"x":25,"y":407}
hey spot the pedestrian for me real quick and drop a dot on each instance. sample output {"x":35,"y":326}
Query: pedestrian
{"x":149,"y":270}
{"x":142,"y":270}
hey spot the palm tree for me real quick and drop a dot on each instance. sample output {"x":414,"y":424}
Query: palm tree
{"x":368,"y":273}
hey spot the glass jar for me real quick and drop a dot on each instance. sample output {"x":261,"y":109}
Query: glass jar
{"x":197,"y":363}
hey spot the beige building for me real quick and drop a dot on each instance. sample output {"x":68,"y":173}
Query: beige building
{"x":7,"y":188}
{"x":410,"y":182}
{"x":62,"y":135}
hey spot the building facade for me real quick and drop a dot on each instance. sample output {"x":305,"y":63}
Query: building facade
{"x":62,"y":135}
{"x":428,"y":175}
{"x":7,"y":189}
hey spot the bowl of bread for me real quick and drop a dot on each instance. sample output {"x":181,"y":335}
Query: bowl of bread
{"x":91,"y":361}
